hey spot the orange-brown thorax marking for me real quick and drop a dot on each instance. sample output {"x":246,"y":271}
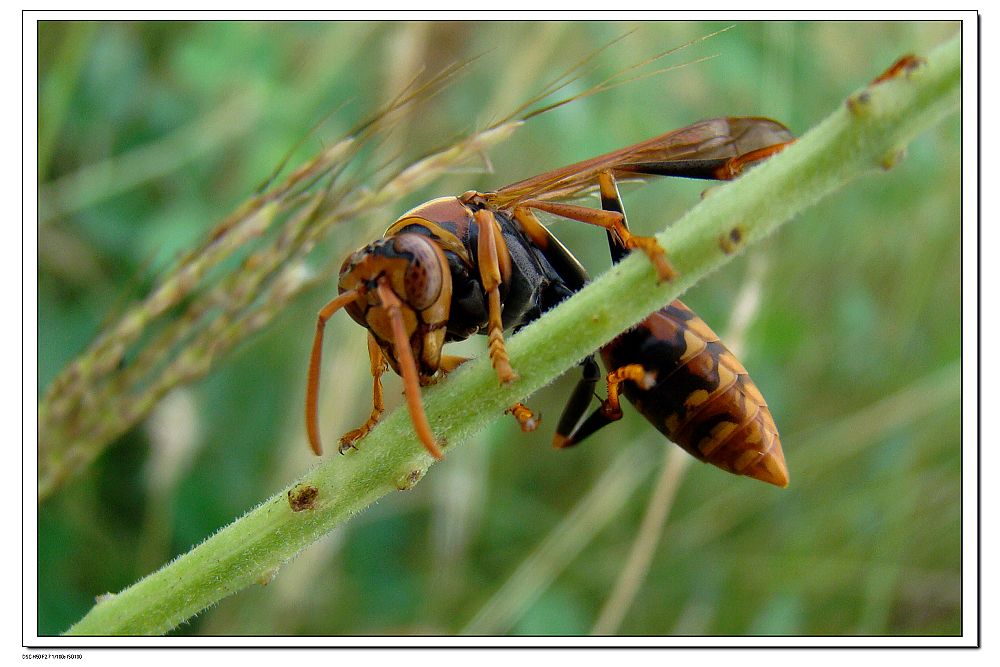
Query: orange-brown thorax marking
{"x":435,"y":216}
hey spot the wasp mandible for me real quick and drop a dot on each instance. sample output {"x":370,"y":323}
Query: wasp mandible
{"x":483,"y":263}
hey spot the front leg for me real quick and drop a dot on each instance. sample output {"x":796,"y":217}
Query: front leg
{"x":378,"y":367}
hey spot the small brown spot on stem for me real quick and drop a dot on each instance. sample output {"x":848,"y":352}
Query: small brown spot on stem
{"x":302,"y":497}
{"x":732,"y":241}
{"x":859,"y":104}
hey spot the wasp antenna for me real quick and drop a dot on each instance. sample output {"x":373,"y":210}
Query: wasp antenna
{"x":312,"y":385}
{"x":408,"y":367}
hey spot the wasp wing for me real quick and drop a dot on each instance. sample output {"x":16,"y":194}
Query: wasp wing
{"x":717,"y":138}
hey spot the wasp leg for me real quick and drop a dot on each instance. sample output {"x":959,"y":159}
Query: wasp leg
{"x":577,"y":404}
{"x":378,"y":367}
{"x":489,"y":261}
{"x":611,"y":409}
{"x":611,"y":200}
{"x":450,"y":362}
{"x":630,"y":372}
{"x":613,"y":222}
{"x":527,"y":419}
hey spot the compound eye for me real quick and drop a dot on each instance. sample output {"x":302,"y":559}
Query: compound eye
{"x":423,"y":278}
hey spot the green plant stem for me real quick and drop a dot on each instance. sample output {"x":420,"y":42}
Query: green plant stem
{"x":863,"y":136}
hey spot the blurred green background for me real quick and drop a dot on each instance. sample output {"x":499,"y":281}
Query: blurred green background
{"x":848,"y":319}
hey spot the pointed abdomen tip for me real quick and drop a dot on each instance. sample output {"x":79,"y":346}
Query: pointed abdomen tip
{"x":770,"y":468}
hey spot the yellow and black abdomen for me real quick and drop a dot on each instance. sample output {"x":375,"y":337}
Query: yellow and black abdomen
{"x":702,"y":399}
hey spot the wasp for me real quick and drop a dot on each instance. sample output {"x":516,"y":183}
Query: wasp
{"x":483,"y":263}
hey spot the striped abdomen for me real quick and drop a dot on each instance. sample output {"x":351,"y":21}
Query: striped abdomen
{"x":703,"y":398}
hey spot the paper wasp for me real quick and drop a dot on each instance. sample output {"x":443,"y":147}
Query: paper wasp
{"x":483,"y":263}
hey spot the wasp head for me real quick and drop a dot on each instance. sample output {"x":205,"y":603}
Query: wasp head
{"x":414,"y":268}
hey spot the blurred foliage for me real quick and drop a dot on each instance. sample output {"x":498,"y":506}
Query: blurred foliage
{"x":854,"y":340}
